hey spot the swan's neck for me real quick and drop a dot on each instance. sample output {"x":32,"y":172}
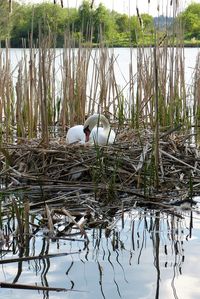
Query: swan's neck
{"x":105,"y":123}
{"x":95,"y":120}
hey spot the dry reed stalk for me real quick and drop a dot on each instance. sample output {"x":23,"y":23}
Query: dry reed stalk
{"x":43,"y":91}
{"x":35,"y":257}
{"x":197,"y":91}
{"x":6,"y":94}
{"x":79,"y":226}
{"x":46,"y":79}
{"x":157,"y":124}
{"x":1,"y":88}
{"x":20,"y":105}
{"x":103,"y":82}
{"x":33,"y":94}
{"x":34,"y":287}
{"x":83,"y":58}
{"x":74,"y":83}
{"x":49,"y":220}
{"x":108,"y":92}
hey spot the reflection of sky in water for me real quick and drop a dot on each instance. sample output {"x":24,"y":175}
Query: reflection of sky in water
{"x":123,"y":265}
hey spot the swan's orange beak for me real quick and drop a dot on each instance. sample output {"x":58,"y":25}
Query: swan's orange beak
{"x":87,"y":133}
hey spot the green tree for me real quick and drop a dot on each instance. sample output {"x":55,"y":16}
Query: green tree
{"x":141,"y":29}
{"x":84,"y":22}
{"x":135,"y":29}
{"x":148,"y":23}
{"x":191,"y":21}
{"x":104,"y":24}
{"x":88,"y":23}
{"x":45,"y":18}
{"x":5,"y":20}
{"x":122,"y":22}
{"x":21,"y":24}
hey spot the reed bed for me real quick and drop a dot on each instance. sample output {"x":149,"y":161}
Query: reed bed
{"x":68,"y":230}
{"x":62,"y":87}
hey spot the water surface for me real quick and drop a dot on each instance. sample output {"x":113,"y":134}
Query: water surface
{"x":152,"y":255}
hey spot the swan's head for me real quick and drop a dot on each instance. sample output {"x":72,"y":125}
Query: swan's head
{"x":87,"y":132}
{"x":90,"y":123}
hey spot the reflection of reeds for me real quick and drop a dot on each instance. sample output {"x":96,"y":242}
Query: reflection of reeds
{"x":143,"y":231}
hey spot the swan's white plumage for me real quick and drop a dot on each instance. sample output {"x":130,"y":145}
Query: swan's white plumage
{"x":97,"y":135}
{"x":75,"y":134}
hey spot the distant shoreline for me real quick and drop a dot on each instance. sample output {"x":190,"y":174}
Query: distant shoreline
{"x":187,"y":45}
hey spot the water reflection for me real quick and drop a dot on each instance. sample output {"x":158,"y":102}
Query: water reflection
{"x":150,"y":254}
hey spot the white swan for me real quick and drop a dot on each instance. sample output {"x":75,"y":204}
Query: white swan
{"x":91,"y":132}
{"x":75,"y":134}
{"x":96,"y":134}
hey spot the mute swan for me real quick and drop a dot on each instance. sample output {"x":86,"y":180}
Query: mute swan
{"x":91,"y":132}
{"x":75,"y":134}
{"x":96,"y":134}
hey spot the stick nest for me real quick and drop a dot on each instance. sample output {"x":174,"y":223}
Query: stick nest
{"x":107,"y":174}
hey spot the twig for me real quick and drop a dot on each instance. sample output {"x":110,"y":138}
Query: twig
{"x":36,"y":257}
{"x":34,"y":287}
{"x":180,"y":161}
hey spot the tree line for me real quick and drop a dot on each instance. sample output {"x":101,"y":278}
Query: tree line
{"x":87,"y":24}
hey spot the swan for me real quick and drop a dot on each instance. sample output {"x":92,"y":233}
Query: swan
{"x":96,"y":134}
{"x":75,"y":134}
{"x":91,"y":133}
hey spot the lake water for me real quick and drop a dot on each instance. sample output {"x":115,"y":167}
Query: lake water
{"x":153,"y":255}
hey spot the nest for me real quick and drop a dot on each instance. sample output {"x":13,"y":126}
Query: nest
{"x":125,"y":171}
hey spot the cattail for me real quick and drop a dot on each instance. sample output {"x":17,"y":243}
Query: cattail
{"x":139,"y":17}
{"x":92,"y":3}
{"x":10,"y":6}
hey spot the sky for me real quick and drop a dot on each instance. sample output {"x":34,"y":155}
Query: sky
{"x":129,"y":6}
